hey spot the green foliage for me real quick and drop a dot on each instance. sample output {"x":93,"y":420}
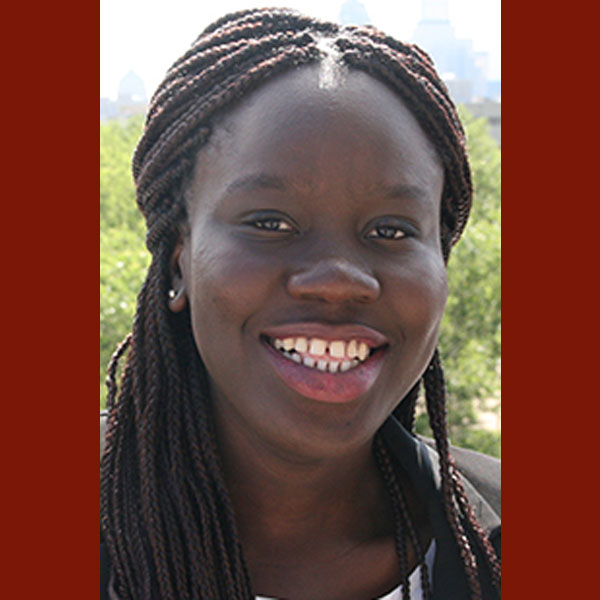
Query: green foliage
{"x":118,"y":209}
{"x":470,"y":337}
{"x":123,"y":255}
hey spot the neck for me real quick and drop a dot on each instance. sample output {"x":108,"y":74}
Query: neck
{"x":283,"y":500}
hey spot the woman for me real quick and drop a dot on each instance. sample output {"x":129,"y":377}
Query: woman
{"x":303,"y":185}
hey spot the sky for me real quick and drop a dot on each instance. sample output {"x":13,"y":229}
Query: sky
{"x":147,"y":36}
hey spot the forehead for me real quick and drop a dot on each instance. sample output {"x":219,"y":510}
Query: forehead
{"x":350,"y":127}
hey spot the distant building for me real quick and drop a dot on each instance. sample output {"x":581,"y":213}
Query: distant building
{"x":461,"y":68}
{"x":456,"y":61}
{"x":108,"y":109}
{"x":353,"y":12}
{"x":493,"y":90}
{"x":132,"y":89}
{"x":131,"y":99}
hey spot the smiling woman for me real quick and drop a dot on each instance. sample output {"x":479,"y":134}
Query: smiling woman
{"x":303,"y":185}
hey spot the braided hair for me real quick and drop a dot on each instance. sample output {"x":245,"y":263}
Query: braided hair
{"x":166,"y":515}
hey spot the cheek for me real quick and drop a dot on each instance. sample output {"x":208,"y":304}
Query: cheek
{"x":420,"y":294}
{"x":225,"y":288}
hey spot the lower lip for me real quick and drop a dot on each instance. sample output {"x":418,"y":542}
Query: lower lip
{"x":334,"y":388}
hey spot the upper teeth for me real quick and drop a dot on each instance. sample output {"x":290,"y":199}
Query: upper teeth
{"x":317,"y":347}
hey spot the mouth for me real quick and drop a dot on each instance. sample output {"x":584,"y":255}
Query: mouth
{"x":336,"y":356}
{"x":329,"y":364}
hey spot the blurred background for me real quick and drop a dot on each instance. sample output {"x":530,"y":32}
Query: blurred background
{"x":140,"y":39}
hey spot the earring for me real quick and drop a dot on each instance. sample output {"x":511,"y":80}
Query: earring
{"x":177,"y":299}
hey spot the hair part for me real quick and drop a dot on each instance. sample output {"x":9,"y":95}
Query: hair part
{"x":166,"y":514}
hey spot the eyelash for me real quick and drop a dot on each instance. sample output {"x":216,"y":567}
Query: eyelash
{"x":383,"y":231}
{"x":387,"y":232}
{"x":266,"y":224}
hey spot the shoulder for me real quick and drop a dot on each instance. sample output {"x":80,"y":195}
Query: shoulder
{"x":481,"y":478}
{"x":481,"y":474}
{"x":482,"y":471}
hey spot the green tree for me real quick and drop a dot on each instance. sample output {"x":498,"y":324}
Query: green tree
{"x":470,"y":334}
{"x":123,"y":255}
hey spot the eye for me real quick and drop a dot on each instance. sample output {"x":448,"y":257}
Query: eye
{"x":390,"y":229}
{"x":268,"y":223}
{"x":272,"y":224}
{"x":386,"y":232}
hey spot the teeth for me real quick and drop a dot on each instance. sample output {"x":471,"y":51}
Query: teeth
{"x":352,"y":349}
{"x":363,"y":351}
{"x":317,"y":347}
{"x":337,"y":349}
{"x":301,"y":344}
{"x":308,"y":352}
{"x":309,"y":361}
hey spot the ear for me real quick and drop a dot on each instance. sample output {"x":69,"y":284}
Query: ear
{"x":177,"y":294}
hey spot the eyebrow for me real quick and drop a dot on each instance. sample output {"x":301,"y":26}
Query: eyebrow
{"x":256,"y":181}
{"x":402,"y":190}
{"x":264,"y":181}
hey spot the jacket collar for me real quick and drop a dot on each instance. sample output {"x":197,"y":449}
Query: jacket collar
{"x":422,"y":465}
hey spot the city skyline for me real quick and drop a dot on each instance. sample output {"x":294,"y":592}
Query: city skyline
{"x":129,"y":30}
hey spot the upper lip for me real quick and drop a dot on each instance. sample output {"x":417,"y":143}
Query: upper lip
{"x":344,"y":332}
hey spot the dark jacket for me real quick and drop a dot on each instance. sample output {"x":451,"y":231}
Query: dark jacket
{"x":481,"y":480}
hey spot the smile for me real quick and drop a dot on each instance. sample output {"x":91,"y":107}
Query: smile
{"x":337,"y":356}
{"x":333,"y":364}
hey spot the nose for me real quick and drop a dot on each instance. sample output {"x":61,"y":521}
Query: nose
{"x":334,"y":280}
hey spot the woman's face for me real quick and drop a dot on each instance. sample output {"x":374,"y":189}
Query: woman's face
{"x":312,"y":265}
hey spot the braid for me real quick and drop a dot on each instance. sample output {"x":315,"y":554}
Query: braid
{"x":166,"y":514}
{"x":427,"y":98}
{"x":452,"y":488}
{"x":111,"y":379}
{"x":404,"y":524}
{"x":405,"y":411}
{"x":189,"y":544}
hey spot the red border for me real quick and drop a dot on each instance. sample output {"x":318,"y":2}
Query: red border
{"x":49,"y":412}
{"x":550,"y":302}
{"x":49,"y":400}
